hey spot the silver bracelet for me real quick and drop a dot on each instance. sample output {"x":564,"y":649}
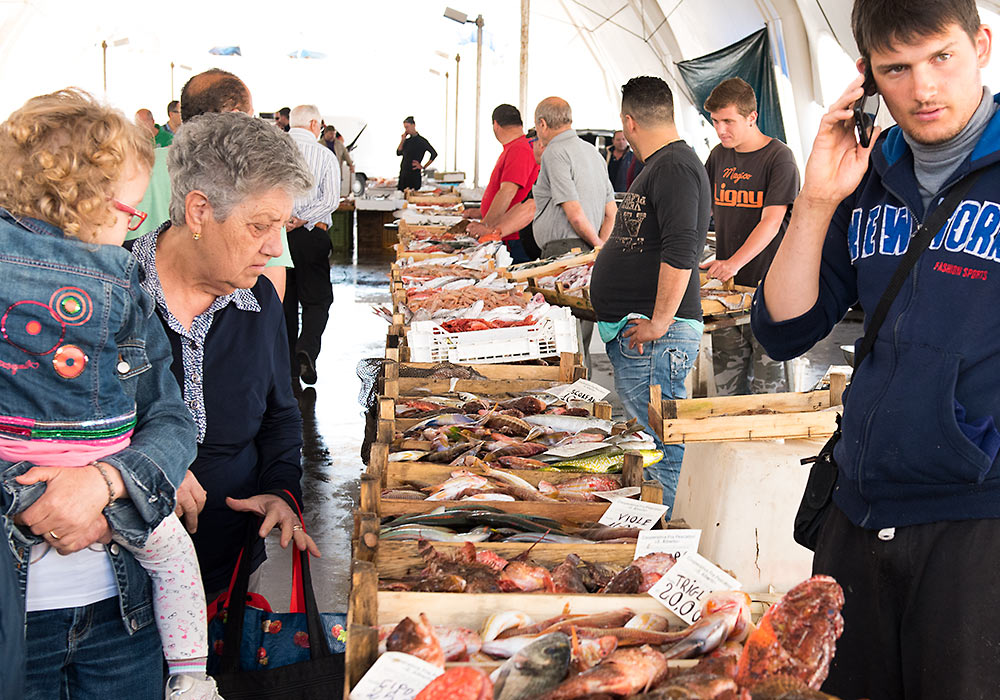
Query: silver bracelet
{"x":112,"y":496}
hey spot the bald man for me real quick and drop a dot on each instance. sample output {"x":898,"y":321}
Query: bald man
{"x":144,"y":118}
{"x":574,"y":201}
{"x":214,"y":90}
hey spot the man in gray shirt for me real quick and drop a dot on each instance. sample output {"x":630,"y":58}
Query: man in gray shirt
{"x":575,"y":203}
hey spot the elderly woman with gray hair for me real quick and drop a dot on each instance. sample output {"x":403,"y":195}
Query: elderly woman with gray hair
{"x":233,"y":179}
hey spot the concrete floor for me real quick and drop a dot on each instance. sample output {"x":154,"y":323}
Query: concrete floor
{"x":333,"y":427}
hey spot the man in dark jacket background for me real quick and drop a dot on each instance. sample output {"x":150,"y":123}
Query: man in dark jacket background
{"x":914,"y":531}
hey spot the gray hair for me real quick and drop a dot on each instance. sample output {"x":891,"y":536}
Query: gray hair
{"x":303,"y":114}
{"x":231,"y":157}
{"x":555,"y":111}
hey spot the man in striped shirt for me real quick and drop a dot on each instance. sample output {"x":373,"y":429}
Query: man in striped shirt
{"x":309,"y":243}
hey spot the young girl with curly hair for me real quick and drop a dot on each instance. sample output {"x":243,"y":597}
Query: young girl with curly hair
{"x":94,"y":435}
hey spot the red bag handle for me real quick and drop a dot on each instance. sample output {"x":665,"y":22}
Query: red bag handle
{"x":297,"y":602}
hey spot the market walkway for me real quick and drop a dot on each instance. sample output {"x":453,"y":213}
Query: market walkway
{"x":333,"y":427}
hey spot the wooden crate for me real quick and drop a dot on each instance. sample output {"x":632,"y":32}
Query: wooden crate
{"x":445,"y":198}
{"x":381,"y":473}
{"x":756,"y":417}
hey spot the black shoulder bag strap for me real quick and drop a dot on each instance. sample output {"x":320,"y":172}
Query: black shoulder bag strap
{"x":918,"y":244}
{"x":818,"y":493}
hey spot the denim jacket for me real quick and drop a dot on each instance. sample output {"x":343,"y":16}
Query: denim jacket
{"x":83,"y":356}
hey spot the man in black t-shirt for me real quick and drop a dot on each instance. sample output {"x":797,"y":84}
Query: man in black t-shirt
{"x":644,"y":286}
{"x":754,"y":182}
{"x":412,"y":146}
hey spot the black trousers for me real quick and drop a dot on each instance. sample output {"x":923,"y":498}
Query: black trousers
{"x":921,"y":618}
{"x":411,"y":179}
{"x":308,"y":284}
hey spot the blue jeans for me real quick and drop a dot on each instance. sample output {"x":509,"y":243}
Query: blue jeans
{"x":665,"y":361}
{"x":85,"y":654}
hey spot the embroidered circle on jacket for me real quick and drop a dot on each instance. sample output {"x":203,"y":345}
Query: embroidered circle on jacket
{"x":33,"y":327}
{"x":72,"y":305}
{"x":69,"y":361}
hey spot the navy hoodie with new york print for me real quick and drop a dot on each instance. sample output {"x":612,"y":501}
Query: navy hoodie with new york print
{"x":920,"y":441}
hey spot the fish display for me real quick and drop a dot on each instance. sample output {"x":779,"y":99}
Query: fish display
{"x":617,"y":654}
{"x":468,"y":570}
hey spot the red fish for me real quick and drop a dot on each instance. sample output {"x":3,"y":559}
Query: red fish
{"x":523,"y":577}
{"x":625,"y":672}
{"x":797,"y":637}
{"x":418,"y":639}
{"x":460,"y":683}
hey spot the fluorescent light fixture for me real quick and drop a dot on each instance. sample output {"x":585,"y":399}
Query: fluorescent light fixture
{"x":120,"y":42}
{"x":442,"y":54}
{"x":459,"y":17}
{"x":434,"y":71}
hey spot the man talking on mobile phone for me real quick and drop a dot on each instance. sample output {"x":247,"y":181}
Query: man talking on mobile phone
{"x":913,"y":534}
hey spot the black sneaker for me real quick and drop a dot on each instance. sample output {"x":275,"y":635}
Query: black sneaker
{"x":307,"y":368}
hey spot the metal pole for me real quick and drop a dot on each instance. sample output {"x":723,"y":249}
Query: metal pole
{"x":444,"y":160}
{"x":171,"y":81}
{"x":479,"y":83}
{"x":458,"y":57}
{"x":523,"y":97}
{"x":104,"y":52}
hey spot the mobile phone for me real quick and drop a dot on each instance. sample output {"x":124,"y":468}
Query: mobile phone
{"x":863,"y":123}
{"x":865,"y":110}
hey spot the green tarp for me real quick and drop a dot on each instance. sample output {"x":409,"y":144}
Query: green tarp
{"x":748,"y":58}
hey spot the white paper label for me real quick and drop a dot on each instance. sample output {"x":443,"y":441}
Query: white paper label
{"x":626,"y":492}
{"x":676,"y":543}
{"x":451,"y":385}
{"x":627,"y":512}
{"x":395,"y":676}
{"x":683,"y":588}
{"x":581,"y":389}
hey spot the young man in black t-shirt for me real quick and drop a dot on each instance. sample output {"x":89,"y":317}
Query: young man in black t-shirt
{"x":412,"y":146}
{"x":644,"y":286}
{"x":754,"y":181}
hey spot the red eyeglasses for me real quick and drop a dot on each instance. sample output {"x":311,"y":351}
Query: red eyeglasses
{"x":135,"y":217}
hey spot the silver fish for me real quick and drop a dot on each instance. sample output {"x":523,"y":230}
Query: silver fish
{"x":572,"y":424}
{"x":535,"y":669}
{"x":434,"y":534}
{"x":547,"y":538}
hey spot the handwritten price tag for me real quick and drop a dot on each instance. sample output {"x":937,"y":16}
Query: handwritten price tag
{"x":581,"y":389}
{"x":627,"y":512}
{"x":395,"y":676}
{"x":683,"y":587}
{"x":677,"y":543}
{"x":625,"y":492}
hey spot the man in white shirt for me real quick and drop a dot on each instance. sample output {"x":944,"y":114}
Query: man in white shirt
{"x":309,"y":243}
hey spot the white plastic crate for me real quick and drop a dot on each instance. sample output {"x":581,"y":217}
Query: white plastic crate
{"x":552,"y":335}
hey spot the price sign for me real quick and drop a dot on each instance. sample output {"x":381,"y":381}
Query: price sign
{"x":581,"y":389}
{"x":683,"y":588}
{"x":626,"y":492}
{"x":627,"y":512}
{"x":676,"y":543}
{"x":395,"y":676}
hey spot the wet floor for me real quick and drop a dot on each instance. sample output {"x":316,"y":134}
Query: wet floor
{"x":333,"y":427}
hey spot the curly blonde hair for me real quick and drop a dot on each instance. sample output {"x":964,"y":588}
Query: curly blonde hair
{"x":63,"y":154}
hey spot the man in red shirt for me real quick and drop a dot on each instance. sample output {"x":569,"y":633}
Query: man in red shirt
{"x":513,"y":177}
